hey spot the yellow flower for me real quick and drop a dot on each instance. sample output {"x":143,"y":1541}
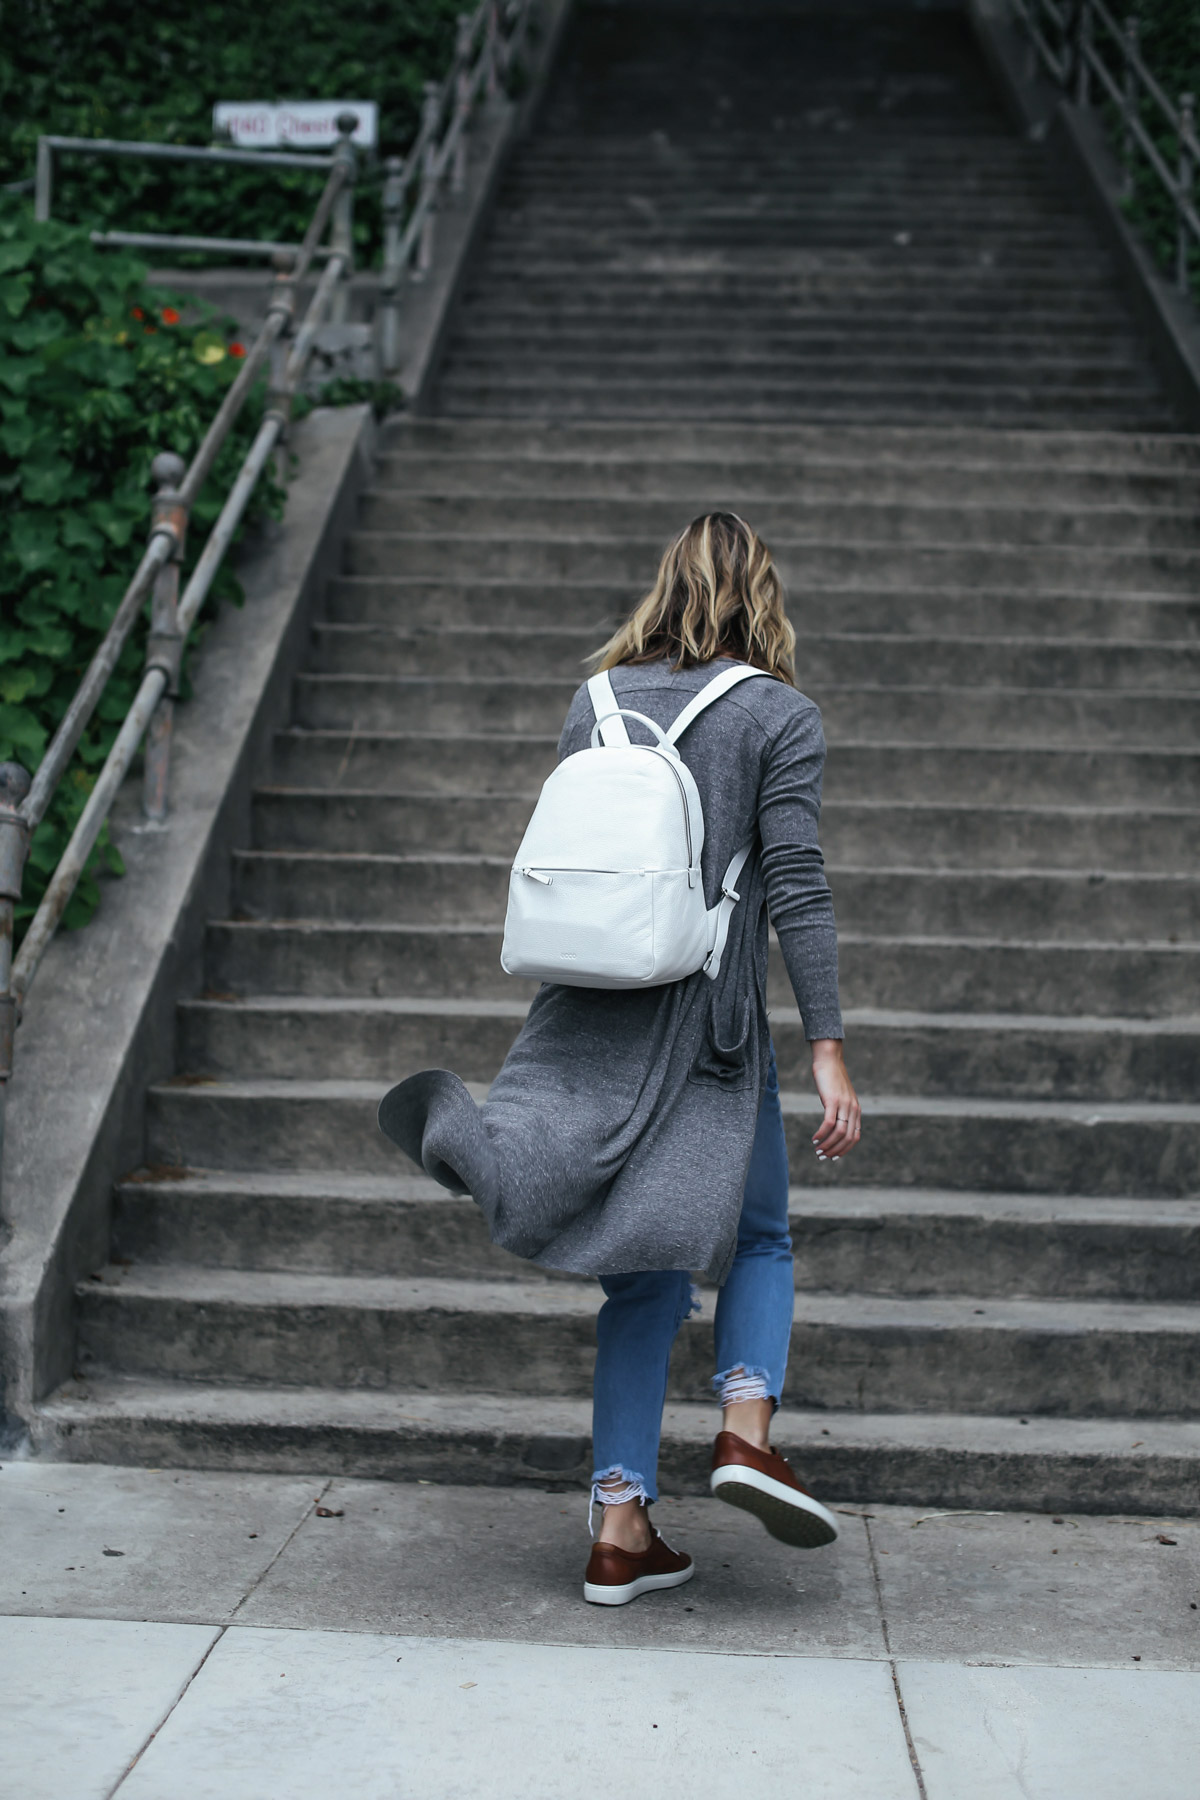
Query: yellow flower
{"x":207,"y":347}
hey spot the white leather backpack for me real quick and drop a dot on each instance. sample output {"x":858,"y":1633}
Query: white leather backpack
{"x":606,"y":889}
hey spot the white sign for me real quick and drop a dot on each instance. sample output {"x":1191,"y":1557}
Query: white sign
{"x":293,"y":124}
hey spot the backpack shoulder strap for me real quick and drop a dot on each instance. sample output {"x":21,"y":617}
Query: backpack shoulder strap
{"x":720,"y":684}
{"x":604,"y":705}
{"x":721,"y":914}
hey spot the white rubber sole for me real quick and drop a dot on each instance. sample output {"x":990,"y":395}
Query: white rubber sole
{"x":601,"y":1594}
{"x":793,"y":1518}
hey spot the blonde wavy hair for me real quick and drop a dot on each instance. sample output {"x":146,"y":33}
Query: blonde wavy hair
{"x":717,"y":593}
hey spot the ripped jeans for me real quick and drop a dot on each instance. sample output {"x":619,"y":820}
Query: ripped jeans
{"x":642,"y":1313}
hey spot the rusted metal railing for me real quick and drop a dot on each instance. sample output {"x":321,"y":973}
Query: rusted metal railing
{"x":24,"y":799}
{"x":1090,"y":53}
{"x":489,"y":43}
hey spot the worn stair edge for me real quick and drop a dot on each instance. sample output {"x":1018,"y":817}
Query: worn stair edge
{"x":938,"y":1460}
{"x":869,"y":1240}
{"x":1065,"y":1358}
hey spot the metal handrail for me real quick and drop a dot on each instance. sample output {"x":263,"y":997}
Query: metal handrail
{"x":24,"y":800}
{"x":488,"y":42}
{"x":51,"y":147}
{"x":1087,"y":37}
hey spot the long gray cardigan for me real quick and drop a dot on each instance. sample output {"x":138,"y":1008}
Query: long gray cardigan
{"x":617,"y":1135}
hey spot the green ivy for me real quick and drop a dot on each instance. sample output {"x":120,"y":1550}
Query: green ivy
{"x":118,"y":68}
{"x":98,"y":373}
{"x":1170,"y":41}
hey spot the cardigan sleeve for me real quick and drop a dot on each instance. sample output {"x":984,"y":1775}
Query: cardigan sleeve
{"x":799,"y":902}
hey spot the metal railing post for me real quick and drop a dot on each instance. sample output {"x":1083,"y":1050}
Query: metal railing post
{"x":1129,"y":101}
{"x":429,"y":175}
{"x":462,"y":102}
{"x":341,"y":237}
{"x":164,"y":647}
{"x":283,"y":299}
{"x":43,"y":181}
{"x":1183,"y":193}
{"x":1083,"y":45}
{"x":14,"y":848}
{"x":393,"y":274}
{"x":493,"y":49}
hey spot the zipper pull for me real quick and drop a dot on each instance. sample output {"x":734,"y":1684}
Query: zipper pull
{"x":536,"y":875}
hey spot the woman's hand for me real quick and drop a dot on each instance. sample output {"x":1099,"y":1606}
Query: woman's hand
{"x":841,"y":1127}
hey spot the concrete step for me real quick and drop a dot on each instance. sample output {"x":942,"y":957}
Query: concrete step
{"x":1071,"y":1358}
{"x":884,"y":1241}
{"x":724,"y":218}
{"x":417,"y":763}
{"x":594,"y":557}
{"x":432,"y":764}
{"x":945,"y":836}
{"x":884,"y":658}
{"x":742,"y":204}
{"x":908,"y":148}
{"x":1019,"y":1146}
{"x":793,"y":519}
{"x":992,"y":1055}
{"x":1140,"y":1467}
{"x":481,"y":333}
{"x":921,"y":400}
{"x":923,"y":611}
{"x":801,"y":303}
{"x":719,"y":271}
{"x":447,"y":478}
{"x":1007,"y":246}
{"x":1060,"y":906}
{"x":667,"y":443}
{"x":998,"y":717}
{"x":1119,"y":367}
{"x":952,"y":974}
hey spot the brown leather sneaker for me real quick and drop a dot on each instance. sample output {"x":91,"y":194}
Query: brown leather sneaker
{"x":614,"y":1576}
{"x":761,"y":1482}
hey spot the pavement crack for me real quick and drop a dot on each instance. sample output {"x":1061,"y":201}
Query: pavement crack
{"x":308,"y":1513}
{"x":914,"y":1759}
{"x":123,"y":1777}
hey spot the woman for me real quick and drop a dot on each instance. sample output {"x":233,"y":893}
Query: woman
{"x":636,"y":1135}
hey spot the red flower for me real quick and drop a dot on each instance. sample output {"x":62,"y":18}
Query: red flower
{"x":237,"y":349}
{"x":138,"y":313}
{"x":170,"y":316}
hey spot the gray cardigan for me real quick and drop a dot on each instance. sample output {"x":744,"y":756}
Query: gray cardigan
{"x":617,"y":1135}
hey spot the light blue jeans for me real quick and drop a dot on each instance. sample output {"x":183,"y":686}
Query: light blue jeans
{"x":642,"y":1313}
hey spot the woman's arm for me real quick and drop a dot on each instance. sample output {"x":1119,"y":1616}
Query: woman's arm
{"x":801,"y":910}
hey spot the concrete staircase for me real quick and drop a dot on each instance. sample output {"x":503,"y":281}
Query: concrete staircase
{"x":998,"y":1296}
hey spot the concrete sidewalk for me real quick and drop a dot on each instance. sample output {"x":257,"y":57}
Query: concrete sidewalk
{"x":173,"y":1636}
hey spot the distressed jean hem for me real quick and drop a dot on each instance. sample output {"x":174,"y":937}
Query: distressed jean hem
{"x":616,"y":1486}
{"x":742,"y":1382}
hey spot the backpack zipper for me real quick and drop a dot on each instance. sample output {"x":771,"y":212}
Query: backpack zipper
{"x":548,"y":880}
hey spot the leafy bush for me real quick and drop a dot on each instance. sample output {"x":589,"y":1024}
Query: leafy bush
{"x":117,"y":68}
{"x":97,"y":375}
{"x":1170,"y":38}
